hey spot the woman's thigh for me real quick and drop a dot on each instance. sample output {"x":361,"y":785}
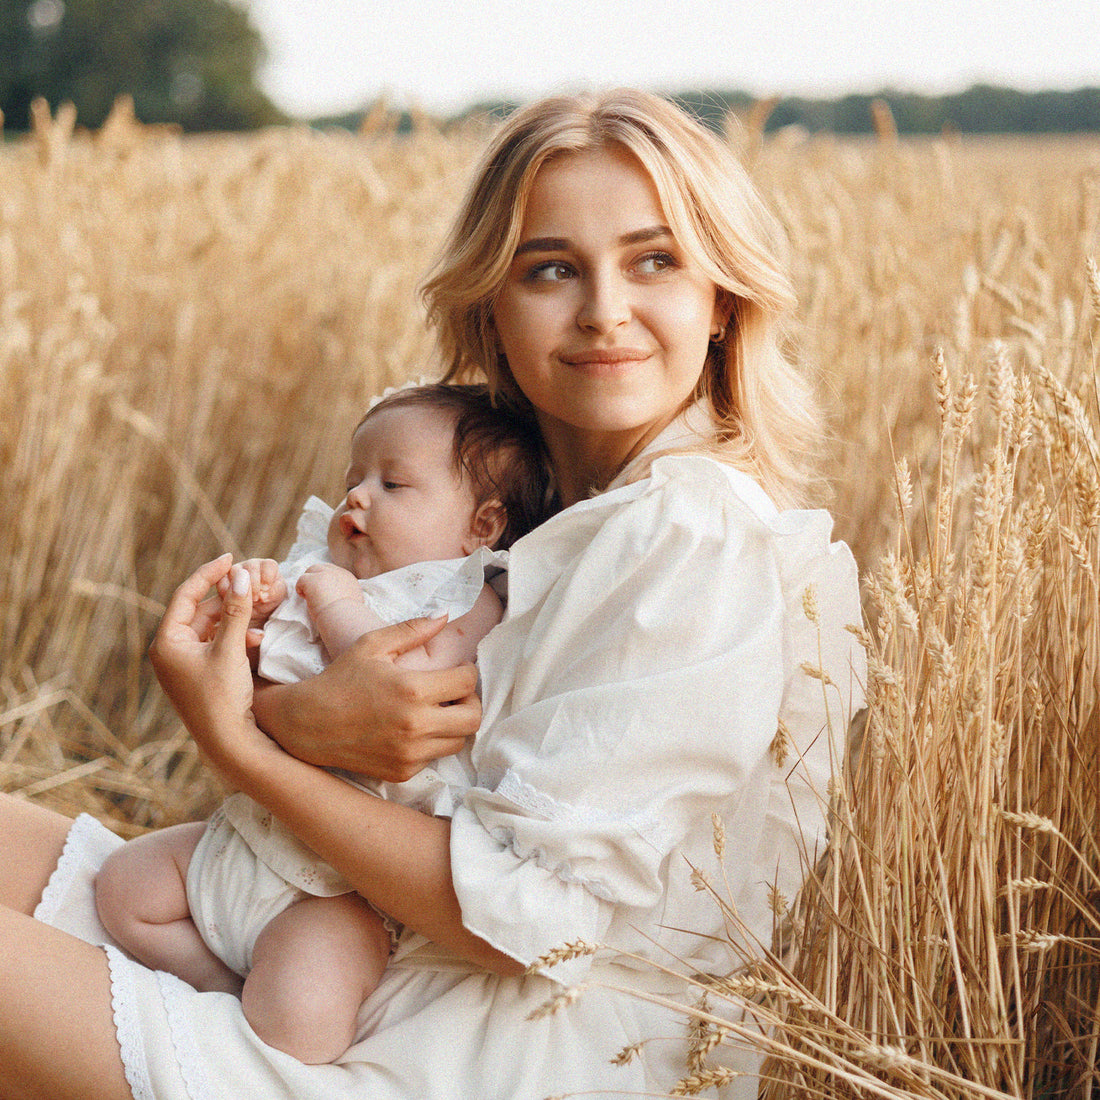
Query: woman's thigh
{"x":32,"y":839}
{"x":57,"y":1034}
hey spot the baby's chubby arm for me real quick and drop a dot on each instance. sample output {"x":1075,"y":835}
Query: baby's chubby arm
{"x":336,"y":606}
{"x":456,"y":643}
{"x":341,"y":616}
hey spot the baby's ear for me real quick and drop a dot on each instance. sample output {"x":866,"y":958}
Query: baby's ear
{"x":487,"y":525}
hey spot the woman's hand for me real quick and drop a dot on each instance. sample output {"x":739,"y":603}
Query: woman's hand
{"x":365,"y":714}
{"x":199,"y":657}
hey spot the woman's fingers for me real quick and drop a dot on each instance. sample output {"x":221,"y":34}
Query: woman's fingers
{"x":457,"y":722}
{"x":183,"y":611}
{"x":236,"y":612}
{"x":392,"y":641}
{"x":448,"y":685}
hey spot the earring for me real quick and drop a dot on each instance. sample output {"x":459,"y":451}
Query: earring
{"x":720,"y":335}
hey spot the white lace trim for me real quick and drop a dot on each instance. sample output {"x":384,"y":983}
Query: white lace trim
{"x":175,"y":993}
{"x":68,"y":866}
{"x":127,"y":1025}
{"x":541,"y":805}
{"x":559,"y":868}
{"x":537,"y":803}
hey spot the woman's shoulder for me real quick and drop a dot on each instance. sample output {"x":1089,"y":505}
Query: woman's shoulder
{"x":702,"y":513}
{"x":689,"y":511}
{"x":706,"y":493}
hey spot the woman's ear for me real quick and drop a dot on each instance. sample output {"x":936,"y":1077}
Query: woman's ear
{"x":720,"y":319}
{"x":488,"y":523}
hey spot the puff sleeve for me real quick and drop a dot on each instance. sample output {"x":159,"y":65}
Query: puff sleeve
{"x":633,"y":689}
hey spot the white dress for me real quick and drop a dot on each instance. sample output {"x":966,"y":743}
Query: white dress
{"x":655,"y":636}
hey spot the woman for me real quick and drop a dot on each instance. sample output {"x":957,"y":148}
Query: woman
{"x":613,"y":268}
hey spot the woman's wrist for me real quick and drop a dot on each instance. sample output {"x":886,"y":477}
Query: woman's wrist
{"x":237,"y":751}
{"x":285,"y":713}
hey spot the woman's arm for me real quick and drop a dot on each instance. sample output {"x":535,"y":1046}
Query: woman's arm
{"x":396,"y":857}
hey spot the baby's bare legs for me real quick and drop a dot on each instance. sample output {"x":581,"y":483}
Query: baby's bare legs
{"x":312,"y":967}
{"x":141,"y":895}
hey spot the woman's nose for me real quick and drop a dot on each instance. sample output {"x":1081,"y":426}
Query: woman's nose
{"x":605,"y":304}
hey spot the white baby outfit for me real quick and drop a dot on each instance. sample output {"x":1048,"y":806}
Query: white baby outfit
{"x":248,"y":867}
{"x":654,"y":638}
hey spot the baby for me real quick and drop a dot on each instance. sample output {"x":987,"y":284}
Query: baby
{"x":439,"y":485}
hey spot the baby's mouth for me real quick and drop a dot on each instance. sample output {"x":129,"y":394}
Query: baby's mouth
{"x":350,"y":528}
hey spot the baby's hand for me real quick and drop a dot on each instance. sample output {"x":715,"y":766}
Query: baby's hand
{"x":336,"y":606}
{"x":268,"y":588}
{"x":324,"y":583}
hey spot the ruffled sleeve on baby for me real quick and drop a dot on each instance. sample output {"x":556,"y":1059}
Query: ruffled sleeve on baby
{"x":652,"y":640}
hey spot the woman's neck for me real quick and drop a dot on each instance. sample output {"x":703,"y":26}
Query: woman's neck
{"x":586,"y":462}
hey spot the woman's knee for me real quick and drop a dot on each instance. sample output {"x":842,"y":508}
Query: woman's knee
{"x":33,"y":839}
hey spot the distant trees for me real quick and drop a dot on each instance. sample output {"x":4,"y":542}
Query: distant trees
{"x":981,"y":109}
{"x":192,"y":62}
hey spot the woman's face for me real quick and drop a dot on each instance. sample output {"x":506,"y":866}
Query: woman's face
{"x":603,"y":317}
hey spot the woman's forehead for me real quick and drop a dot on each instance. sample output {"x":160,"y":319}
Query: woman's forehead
{"x":604,"y":187}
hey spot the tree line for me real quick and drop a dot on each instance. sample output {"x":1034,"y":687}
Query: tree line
{"x":980,"y":109}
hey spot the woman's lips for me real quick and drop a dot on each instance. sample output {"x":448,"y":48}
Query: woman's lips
{"x":604,"y":360}
{"x":605,"y":355}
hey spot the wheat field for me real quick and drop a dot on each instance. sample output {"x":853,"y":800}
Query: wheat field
{"x":189,"y":328}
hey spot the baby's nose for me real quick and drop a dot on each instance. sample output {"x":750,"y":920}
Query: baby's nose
{"x":358,"y":496}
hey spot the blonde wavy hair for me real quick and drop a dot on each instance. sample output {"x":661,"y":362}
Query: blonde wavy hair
{"x":765,"y":418}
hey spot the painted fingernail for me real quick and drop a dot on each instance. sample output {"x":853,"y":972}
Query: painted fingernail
{"x":241,"y":580}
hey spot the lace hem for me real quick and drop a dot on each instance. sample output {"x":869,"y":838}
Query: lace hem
{"x":68,"y":866}
{"x":174,"y":992}
{"x":127,"y":1024}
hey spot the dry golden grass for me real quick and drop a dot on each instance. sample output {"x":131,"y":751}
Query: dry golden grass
{"x":189,"y":328}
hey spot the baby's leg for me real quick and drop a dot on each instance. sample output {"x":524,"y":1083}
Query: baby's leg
{"x":141,"y":895}
{"x":312,"y":967}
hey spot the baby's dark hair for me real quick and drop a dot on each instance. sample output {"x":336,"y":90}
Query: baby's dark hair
{"x":497,"y":447}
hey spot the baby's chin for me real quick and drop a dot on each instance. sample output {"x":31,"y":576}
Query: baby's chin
{"x":345,"y":557}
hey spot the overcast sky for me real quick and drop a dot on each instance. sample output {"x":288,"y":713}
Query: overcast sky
{"x":444,"y":54}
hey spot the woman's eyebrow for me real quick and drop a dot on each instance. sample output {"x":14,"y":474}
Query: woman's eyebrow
{"x":650,"y":233}
{"x":543,"y":244}
{"x":562,"y":244}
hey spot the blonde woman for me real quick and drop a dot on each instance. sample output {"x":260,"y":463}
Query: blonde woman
{"x":613,"y":270}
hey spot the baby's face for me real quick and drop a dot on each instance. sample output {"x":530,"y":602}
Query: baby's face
{"x":405,"y":503}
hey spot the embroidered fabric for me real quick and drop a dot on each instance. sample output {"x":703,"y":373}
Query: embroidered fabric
{"x":68,"y":865}
{"x":175,"y":995}
{"x":127,"y":1025}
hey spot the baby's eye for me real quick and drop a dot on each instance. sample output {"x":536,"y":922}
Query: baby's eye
{"x":390,"y":486}
{"x":552,"y":271}
{"x":655,"y":263}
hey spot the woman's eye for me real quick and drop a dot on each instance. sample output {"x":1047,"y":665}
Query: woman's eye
{"x":552,"y":271}
{"x":655,"y":263}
